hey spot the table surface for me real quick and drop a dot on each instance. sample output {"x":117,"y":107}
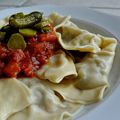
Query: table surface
{"x":106,"y":6}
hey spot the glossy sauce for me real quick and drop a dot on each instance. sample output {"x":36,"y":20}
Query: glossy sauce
{"x":18,"y":63}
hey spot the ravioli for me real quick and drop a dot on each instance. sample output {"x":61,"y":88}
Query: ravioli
{"x":73,"y":38}
{"x":63,"y":85}
{"x":61,"y":65}
{"x":45,"y":104}
{"x":14,"y":97}
{"x":58,"y":20}
{"x":94,"y":69}
{"x":92,"y":80}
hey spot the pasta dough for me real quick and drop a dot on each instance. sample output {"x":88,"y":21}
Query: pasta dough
{"x":14,"y":97}
{"x":45,"y":104}
{"x":58,"y":20}
{"x":73,"y":38}
{"x":71,"y":93}
{"x":93,"y":70}
{"x":62,"y":86}
{"x":61,"y":65}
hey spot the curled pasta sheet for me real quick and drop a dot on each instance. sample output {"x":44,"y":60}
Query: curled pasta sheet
{"x":94,"y":69}
{"x":45,"y":104}
{"x":92,"y":80}
{"x":58,"y":20}
{"x":43,"y":96}
{"x":61,"y":65}
{"x":34,"y":113}
{"x":108,"y":45}
{"x":73,"y":38}
{"x":68,"y":90}
{"x":14,"y":97}
{"x":92,"y":72}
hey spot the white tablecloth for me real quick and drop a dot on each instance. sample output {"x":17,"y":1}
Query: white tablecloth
{"x":107,"y":6}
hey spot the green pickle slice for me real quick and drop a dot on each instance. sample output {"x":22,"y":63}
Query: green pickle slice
{"x":2,"y":36}
{"x":21,"y":21}
{"x":42,"y":24}
{"x":27,"y":32}
{"x":16,"y":41}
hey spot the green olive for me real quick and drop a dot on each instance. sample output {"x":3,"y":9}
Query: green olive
{"x":25,"y":21}
{"x":16,"y":41}
{"x":27,"y":32}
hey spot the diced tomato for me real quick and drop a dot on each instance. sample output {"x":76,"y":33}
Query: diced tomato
{"x":42,"y":60}
{"x":43,"y":51}
{"x":35,"y":63}
{"x":26,"y":65}
{"x":2,"y":64}
{"x":43,"y":48}
{"x":3,"y":52}
{"x":11,"y":69}
{"x":29,"y":72}
{"x":26,"y":62}
{"x":49,"y":37}
{"x":2,"y":49}
{"x":32,"y":39}
{"x":17,"y":55}
{"x":18,"y":63}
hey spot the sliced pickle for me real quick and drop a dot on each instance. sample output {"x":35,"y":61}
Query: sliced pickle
{"x":2,"y":36}
{"x":25,"y":21}
{"x":42,"y":24}
{"x":17,"y":15}
{"x":8,"y":30}
{"x":27,"y":32}
{"x":45,"y":29}
{"x":16,"y":41}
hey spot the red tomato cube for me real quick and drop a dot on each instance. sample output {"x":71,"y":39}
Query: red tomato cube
{"x":12,"y":69}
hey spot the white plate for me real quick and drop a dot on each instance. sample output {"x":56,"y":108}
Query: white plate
{"x":109,"y":108}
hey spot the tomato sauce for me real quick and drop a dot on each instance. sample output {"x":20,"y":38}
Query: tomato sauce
{"x":18,"y":63}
